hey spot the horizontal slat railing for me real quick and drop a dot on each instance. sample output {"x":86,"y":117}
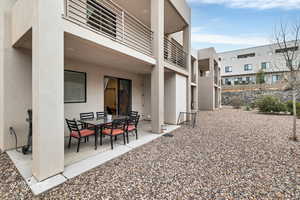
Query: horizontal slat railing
{"x":110,"y":20}
{"x":174,"y":53}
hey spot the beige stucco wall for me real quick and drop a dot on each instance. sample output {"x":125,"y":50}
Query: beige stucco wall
{"x":170,"y":98}
{"x":22,"y":18}
{"x":15,"y":87}
{"x":95,"y":89}
{"x":176,"y":89}
{"x":182,"y":88}
{"x":183,"y":8}
{"x":147,"y":96}
{"x":205,"y":93}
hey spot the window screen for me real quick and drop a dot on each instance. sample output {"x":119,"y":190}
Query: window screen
{"x":75,"y":87}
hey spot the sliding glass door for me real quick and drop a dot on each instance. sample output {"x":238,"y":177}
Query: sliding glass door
{"x":117,"y":96}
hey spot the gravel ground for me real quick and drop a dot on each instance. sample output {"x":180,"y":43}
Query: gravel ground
{"x":232,"y":154}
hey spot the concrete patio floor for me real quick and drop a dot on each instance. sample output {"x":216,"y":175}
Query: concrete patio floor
{"x":86,"y":159}
{"x":232,"y":154}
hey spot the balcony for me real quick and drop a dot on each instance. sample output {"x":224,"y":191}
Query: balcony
{"x":110,"y":20}
{"x":174,"y":53}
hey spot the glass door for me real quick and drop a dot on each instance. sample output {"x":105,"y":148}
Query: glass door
{"x":124,"y":105}
{"x":117,"y":96}
{"x":110,"y":95}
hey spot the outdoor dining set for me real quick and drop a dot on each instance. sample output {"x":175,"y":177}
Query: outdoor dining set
{"x":103,"y":125}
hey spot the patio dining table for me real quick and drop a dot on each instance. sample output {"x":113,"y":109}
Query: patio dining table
{"x":98,"y":123}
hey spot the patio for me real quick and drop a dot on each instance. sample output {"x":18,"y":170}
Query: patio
{"x":87,"y":158}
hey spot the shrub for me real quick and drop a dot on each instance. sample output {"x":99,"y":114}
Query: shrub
{"x":236,"y":102}
{"x":248,"y":108}
{"x":289,"y":105}
{"x":253,"y":105}
{"x":270,"y":104}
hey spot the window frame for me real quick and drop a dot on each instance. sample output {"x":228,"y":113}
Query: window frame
{"x":248,"y":55}
{"x":278,"y":78}
{"x":246,"y":67}
{"x":267,"y":65}
{"x":228,"y":67}
{"x":85,"y":86}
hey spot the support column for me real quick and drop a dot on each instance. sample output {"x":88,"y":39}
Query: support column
{"x":157,"y":74}
{"x":48,"y":85}
{"x":2,"y":28}
{"x":187,"y":49}
{"x":212,"y":75}
{"x":196,"y":69}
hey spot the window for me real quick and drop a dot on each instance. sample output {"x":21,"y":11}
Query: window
{"x":247,"y":67}
{"x":265,"y":65}
{"x":228,"y":69}
{"x":248,"y":79}
{"x":246,"y":55}
{"x":75,"y":87}
{"x":286,"y":49}
{"x":227,"y":81}
{"x":101,"y":18}
{"x":238,"y":81}
{"x":275,"y":78}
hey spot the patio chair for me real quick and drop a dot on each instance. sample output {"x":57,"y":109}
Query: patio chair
{"x":133,"y":113}
{"x":117,"y":127}
{"x":132,"y":126}
{"x":87,"y":116}
{"x":75,"y":132}
{"x":100,"y":115}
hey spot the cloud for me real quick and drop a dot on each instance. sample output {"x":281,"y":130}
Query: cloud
{"x":196,"y":29}
{"x":256,"y":4}
{"x":198,"y":37}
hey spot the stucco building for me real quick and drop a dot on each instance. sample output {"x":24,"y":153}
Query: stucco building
{"x":209,"y":80}
{"x":240,"y":67}
{"x":64,"y":57}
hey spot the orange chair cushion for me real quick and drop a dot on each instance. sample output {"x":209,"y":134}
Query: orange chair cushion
{"x":115,"y":132}
{"x":131,"y":128}
{"x":83,"y":133}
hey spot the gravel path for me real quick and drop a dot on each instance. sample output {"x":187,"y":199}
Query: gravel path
{"x":232,"y":154}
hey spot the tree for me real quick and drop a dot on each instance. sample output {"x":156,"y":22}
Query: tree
{"x":260,"y":78}
{"x":287,"y":42}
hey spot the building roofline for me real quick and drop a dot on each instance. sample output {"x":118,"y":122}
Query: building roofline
{"x":266,"y":45}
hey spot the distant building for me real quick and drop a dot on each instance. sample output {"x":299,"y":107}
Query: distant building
{"x":240,"y":67}
{"x":209,"y":80}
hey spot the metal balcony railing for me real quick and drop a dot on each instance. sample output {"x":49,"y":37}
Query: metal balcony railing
{"x":174,"y":53}
{"x":108,"y":19}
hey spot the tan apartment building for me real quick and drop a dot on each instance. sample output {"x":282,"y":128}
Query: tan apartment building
{"x":63,"y":57}
{"x":209,"y":80}
{"x":240,"y":67}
